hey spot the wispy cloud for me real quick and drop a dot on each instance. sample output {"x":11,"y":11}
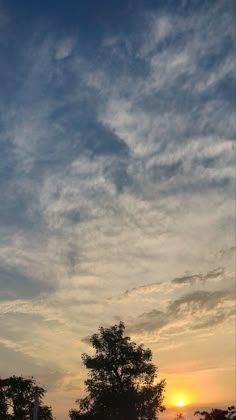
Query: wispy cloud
{"x":195,"y":310}
{"x":64,"y":48}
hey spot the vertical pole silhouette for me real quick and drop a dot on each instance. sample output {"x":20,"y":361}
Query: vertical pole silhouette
{"x":36,"y":407}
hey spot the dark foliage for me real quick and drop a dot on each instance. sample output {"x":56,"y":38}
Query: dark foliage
{"x":3,"y":404}
{"x":17,"y":396}
{"x":179,"y":416}
{"x":218,"y":414}
{"x":122,"y":380}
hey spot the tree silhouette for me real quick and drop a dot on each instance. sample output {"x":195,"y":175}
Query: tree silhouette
{"x":179,"y":416}
{"x":231,"y":412}
{"x":218,"y":414}
{"x":3,"y":404}
{"x":122,"y":380}
{"x":17,"y":395}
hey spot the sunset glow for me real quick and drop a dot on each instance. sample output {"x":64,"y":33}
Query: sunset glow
{"x":180,"y":400}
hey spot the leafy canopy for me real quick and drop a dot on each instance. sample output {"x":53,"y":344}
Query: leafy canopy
{"x":218,"y":414}
{"x":122,"y":380}
{"x":17,"y":396}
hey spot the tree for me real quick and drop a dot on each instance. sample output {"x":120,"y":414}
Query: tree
{"x":3,"y":404}
{"x":218,"y":414}
{"x":17,"y":396}
{"x":122,"y":380}
{"x":179,"y":416}
{"x":231,"y":413}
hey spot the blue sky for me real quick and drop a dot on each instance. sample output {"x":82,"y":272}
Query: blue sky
{"x":117,"y":179}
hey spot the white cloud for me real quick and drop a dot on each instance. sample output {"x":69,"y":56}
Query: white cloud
{"x":64,"y":48}
{"x":160,"y":29}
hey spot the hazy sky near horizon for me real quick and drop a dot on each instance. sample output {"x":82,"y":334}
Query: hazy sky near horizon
{"x":117,"y":183}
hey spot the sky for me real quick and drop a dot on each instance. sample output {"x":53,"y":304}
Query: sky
{"x":117,"y":185}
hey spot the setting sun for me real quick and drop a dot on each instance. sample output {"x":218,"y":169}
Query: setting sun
{"x":180,"y":400}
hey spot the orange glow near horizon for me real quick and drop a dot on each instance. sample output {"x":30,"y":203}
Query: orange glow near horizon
{"x":180,"y":399}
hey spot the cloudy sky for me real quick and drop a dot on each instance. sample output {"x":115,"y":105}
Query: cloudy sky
{"x":117,"y":189}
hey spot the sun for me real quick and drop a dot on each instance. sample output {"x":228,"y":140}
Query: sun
{"x":180,"y":404}
{"x":180,"y":400}
{"x":180,"y":396}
